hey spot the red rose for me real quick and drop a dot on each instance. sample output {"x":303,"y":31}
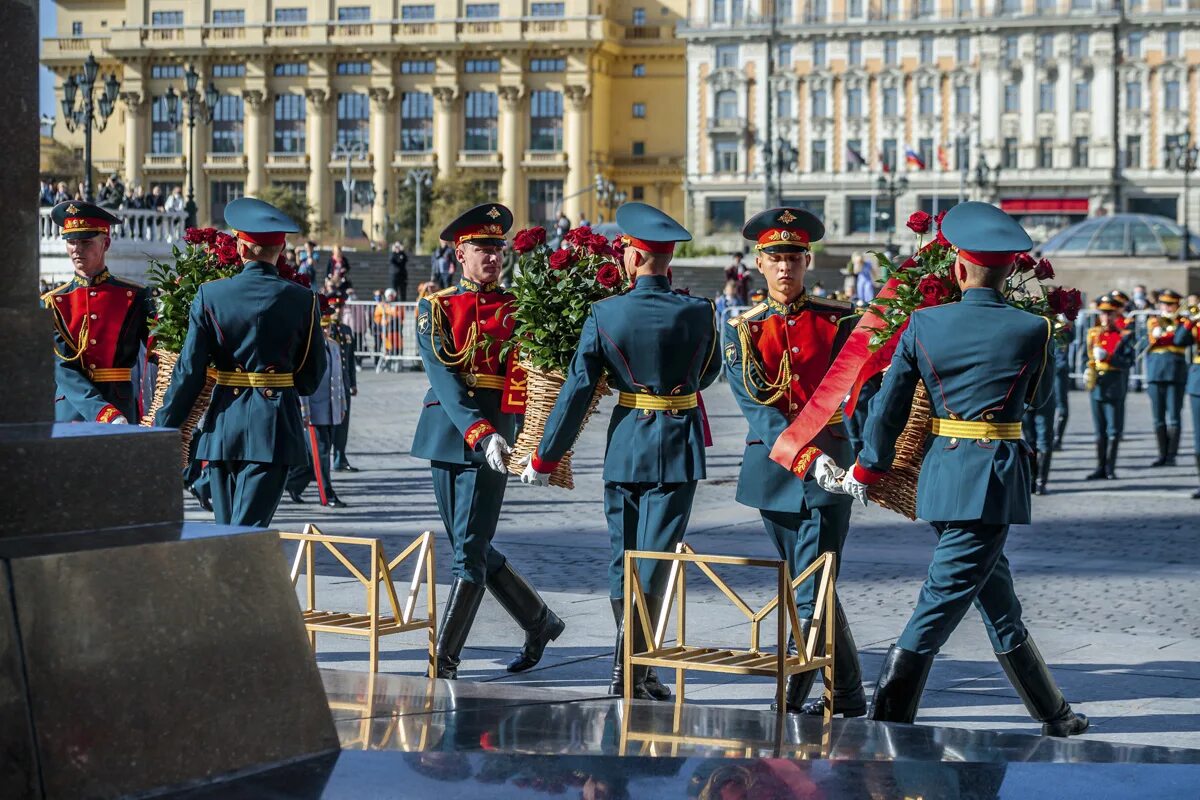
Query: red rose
{"x":598,"y":243}
{"x":933,"y":290}
{"x":224,"y":247}
{"x":1025,"y":262}
{"x":1044,"y":270}
{"x":919,"y":222}
{"x":618,"y":247}
{"x":1074,"y":304}
{"x":941,"y":239}
{"x":200,"y":235}
{"x":560,"y":259}
{"x":940,"y":216}
{"x":1065,"y":301}
{"x":608,"y":276}
{"x":528,"y":239}
{"x":578,"y":237}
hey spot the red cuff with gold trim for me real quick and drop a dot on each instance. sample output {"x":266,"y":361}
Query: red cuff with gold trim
{"x":108,"y":413}
{"x":478,"y":432}
{"x":866,"y":476}
{"x":805,"y":460}
{"x":544,"y":467}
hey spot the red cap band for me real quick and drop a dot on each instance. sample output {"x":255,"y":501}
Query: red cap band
{"x":264,"y":239}
{"x":84,"y":225}
{"x":651,"y":247}
{"x":991,"y":260}
{"x":773,"y":236}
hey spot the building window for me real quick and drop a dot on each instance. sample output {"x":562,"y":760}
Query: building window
{"x":727,"y":105}
{"x":818,"y":11}
{"x":480,"y":132}
{"x":483,"y":10}
{"x":925,"y":101}
{"x":1045,"y":97}
{"x":1008,"y":153}
{"x":235,"y":16}
{"x":166,"y":71}
{"x":816,"y":161}
{"x":639,"y":16}
{"x":416,"y":122}
{"x":545,"y":197}
{"x":638,"y":193}
{"x":165,"y":138}
{"x":637,"y":149}
{"x":718,"y":11}
{"x":854,"y":155}
{"x":1045,"y":153}
{"x":546,"y":120}
{"x":820,"y":101}
{"x":1047,"y":6}
{"x":784,"y":11}
{"x":962,"y":49}
{"x":783,"y":105}
{"x":783,"y":55}
{"x":166,"y":19}
{"x":887,"y":153}
{"x":924,"y":8}
{"x":291,"y":68}
{"x":726,"y":153}
{"x":354,"y":13}
{"x":353,"y":118}
{"x":639,"y":70}
{"x":227,"y":124}
{"x":818,"y":53}
{"x":221,"y":194}
{"x":854,"y":9}
{"x":962,"y":153}
{"x":546,"y":9}
{"x":291,"y":15}
{"x":1133,"y":44}
{"x":354,"y":68}
{"x":77,"y":28}
{"x":1045,"y":48}
{"x":1133,"y":95}
{"x":891,"y":102}
{"x":1171,"y":95}
{"x":926,"y":49}
{"x":1082,"y":5}
{"x":1079,"y":152}
{"x":1081,"y":47}
{"x":1012,"y":98}
{"x":481,"y":65}
{"x":547,"y":65}
{"x":965,"y":8}
{"x":639,"y":110}
{"x":1133,"y":152}
{"x":925,"y":151}
{"x":727,"y":56}
{"x":289,"y":123}
{"x":855,"y":52}
{"x":417,"y":67}
{"x":962,"y":99}
{"x":859,"y":215}
{"x":891,"y":50}
{"x":726,"y":216}
{"x":1010,"y":6}
{"x":854,"y":103}
{"x":229,"y":70}
{"x":417,"y":13}
{"x":1172,"y":45}
{"x":1083,"y":96}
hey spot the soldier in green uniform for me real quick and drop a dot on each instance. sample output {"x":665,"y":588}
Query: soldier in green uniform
{"x":1110,"y":354}
{"x":776,"y":354}
{"x":263,"y":335}
{"x":974,"y":479}
{"x":464,"y":431}
{"x":345,"y":338}
{"x":1166,"y":373}
{"x":658,"y":347}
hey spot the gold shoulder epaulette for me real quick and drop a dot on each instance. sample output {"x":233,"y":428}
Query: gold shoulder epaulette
{"x":750,"y":312}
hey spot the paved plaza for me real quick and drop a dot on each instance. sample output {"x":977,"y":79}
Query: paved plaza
{"x":1107,"y":575}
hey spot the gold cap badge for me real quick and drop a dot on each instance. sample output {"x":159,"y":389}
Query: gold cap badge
{"x":493,"y":213}
{"x":71,"y":209}
{"x":787,"y":217}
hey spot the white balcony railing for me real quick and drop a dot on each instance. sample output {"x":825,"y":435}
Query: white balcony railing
{"x":138,"y":226}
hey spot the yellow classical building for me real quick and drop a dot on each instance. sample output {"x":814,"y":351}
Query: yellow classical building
{"x":541,"y":101}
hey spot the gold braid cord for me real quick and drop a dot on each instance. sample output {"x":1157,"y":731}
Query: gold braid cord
{"x":758,"y":383}
{"x":452,"y":358}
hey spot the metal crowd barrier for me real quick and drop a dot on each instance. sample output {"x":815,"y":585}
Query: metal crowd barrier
{"x":384,"y":333}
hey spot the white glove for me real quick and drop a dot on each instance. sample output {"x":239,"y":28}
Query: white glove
{"x":852,"y":487}
{"x":828,"y":474}
{"x":531,"y":476}
{"x":1099,"y":354}
{"x":119,"y":419}
{"x":495,"y":450}
{"x":1157,"y":332}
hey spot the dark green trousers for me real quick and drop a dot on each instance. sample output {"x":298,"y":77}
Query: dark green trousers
{"x":969,"y":567}
{"x":645,"y":516}
{"x":469,"y":497}
{"x":246,"y":492}
{"x":1108,"y":418}
{"x":341,"y":433}
{"x":1166,"y":403}
{"x":799,"y":537}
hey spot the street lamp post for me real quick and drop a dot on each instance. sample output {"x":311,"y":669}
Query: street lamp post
{"x":608,"y":195}
{"x":987,"y":176}
{"x":891,"y":186}
{"x":355,"y":148}
{"x":85,"y":116}
{"x":419,"y":179}
{"x":192,"y":97}
{"x":1183,"y":156}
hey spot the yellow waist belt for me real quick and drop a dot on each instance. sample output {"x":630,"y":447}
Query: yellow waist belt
{"x":110,"y":375}
{"x":1104,"y":366}
{"x":1168,"y":348}
{"x":974,"y":429}
{"x":651,"y":402}
{"x":474,"y":381}
{"x":257,"y":380}
{"x":1196,"y":360}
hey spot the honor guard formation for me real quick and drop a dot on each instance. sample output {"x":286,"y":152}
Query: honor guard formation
{"x":281,"y":370}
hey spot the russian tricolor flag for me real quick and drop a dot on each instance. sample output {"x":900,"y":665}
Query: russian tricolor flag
{"x":913,"y":158}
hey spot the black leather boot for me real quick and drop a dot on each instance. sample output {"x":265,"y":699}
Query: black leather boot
{"x":1196,"y":494}
{"x":1101,"y":470}
{"x":1043,"y":474}
{"x":617,"y":686}
{"x":1060,"y":427}
{"x":1160,"y":436}
{"x":1030,"y":676}
{"x":901,"y":682}
{"x":1111,"y":461}
{"x":654,"y":687}
{"x":1172,"y":446}
{"x":849,"y":699}
{"x":798,"y":686}
{"x":461,"y":605}
{"x":526,"y":606}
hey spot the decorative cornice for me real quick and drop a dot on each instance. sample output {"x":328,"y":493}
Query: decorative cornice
{"x":319,"y":97}
{"x":577,"y":95}
{"x":255,"y":98}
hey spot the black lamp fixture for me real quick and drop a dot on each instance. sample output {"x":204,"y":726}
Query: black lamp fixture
{"x":93,"y":112}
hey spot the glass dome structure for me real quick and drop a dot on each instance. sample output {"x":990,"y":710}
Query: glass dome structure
{"x":1121,"y":235}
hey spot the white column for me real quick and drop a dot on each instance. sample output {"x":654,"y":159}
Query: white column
{"x":512,"y":149}
{"x":319,"y":186}
{"x":383,"y":126}
{"x":256,"y":150}
{"x":445,"y":129}
{"x":576,"y":135}
{"x":135,"y":137}
{"x":1103,"y":148}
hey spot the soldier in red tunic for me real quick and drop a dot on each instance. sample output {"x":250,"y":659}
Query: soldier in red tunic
{"x":101,"y":323}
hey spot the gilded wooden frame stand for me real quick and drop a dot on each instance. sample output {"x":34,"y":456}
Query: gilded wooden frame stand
{"x":752,"y":661}
{"x":371,"y":624}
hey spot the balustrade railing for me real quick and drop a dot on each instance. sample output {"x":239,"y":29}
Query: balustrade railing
{"x":138,"y":225}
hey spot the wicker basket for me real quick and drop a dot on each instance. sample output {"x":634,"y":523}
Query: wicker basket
{"x":542,"y":390}
{"x":897,"y":490}
{"x":162,"y":382}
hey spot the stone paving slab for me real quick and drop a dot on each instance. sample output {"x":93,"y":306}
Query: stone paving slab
{"x":1107,"y":574}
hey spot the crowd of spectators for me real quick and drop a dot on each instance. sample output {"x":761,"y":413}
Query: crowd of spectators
{"x":114,"y":195}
